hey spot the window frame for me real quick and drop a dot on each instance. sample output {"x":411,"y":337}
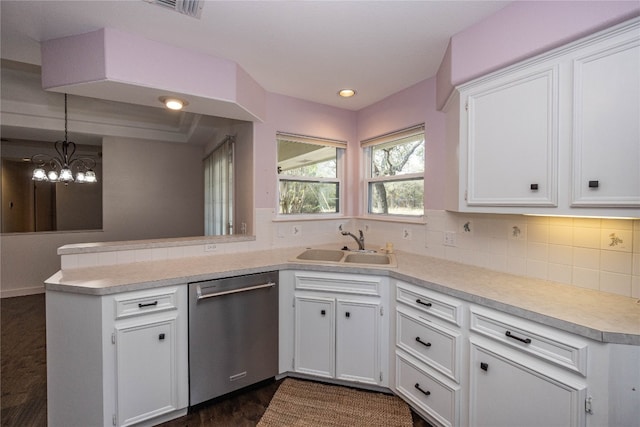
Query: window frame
{"x":367,"y":148}
{"x":341,"y":150}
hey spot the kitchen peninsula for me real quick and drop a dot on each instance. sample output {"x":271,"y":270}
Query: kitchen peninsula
{"x":81,"y":301}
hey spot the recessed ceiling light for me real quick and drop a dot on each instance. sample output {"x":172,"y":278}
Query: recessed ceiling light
{"x":347,"y":93}
{"x":173,"y":103}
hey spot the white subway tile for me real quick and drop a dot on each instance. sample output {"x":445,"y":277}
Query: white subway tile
{"x":69,"y":262}
{"x":142,"y":255}
{"x":107,"y":258}
{"x":586,"y":258}
{"x":560,"y":235}
{"x":125,"y":257}
{"x":517,"y":265}
{"x":616,"y":262}
{"x":585,"y":237}
{"x":635,"y":286}
{"x":158,"y":254}
{"x":560,"y":273}
{"x":616,"y":240}
{"x":559,"y":254}
{"x":586,"y":278}
{"x":537,"y":251}
{"x":537,"y":269}
{"x":87,"y":260}
{"x":615,"y":283}
{"x":538,"y":233}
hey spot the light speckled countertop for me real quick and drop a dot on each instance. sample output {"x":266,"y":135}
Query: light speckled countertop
{"x":596,"y":315}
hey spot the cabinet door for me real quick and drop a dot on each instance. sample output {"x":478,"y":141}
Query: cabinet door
{"x":506,"y":392}
{"x":606,"y":127}
{"x":314,"y":351}
{"x":357,"y":346}
{"x":146,"y":371}
{"x":512,"y":134}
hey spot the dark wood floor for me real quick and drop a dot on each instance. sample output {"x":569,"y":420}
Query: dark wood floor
{"x":23,"y":379}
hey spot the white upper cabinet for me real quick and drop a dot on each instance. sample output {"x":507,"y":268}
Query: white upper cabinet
{"x":558,"y":134}
{"x":512,"y":140}
{"x":606,"y":125}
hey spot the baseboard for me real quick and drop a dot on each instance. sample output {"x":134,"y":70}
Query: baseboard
{"x":9,"y":293}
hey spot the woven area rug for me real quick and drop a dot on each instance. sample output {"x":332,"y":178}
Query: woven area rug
{"x":307,"y":403}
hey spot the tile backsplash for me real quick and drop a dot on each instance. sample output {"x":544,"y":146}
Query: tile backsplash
{"x":602,"y":254}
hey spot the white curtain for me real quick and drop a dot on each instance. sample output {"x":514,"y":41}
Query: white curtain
{"x":218,"y":189}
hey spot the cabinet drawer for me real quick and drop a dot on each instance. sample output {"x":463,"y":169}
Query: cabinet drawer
{"x":429,"y":342}
{"x":549,"y":344}
{"x":141,"y":303}
{"x":430,"y":302}
{"x":346,"y":284}
{"x":431,"y":395}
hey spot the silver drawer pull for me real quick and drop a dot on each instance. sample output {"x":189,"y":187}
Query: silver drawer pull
{"x":233,"y":291}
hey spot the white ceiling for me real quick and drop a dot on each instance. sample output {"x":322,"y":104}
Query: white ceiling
{"x":304,"y":49}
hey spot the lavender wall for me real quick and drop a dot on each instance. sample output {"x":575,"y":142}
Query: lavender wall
{"x":293,"y":115}
{"x":522,"y":30}
{"x":412,"y":106}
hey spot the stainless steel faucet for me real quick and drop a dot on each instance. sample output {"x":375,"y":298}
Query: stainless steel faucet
{"x":359,"y":240}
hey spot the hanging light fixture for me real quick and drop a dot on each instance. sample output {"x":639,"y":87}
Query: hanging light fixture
{"x":62,"y":167}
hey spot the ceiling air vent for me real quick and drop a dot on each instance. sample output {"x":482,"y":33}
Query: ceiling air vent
{"x":187,"y":7}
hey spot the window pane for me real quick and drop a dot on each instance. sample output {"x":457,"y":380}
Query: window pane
{"x":397,"y":197}
{"x":308,"y":160}
{"x":398,"y":157}
{"x":301,"y":197}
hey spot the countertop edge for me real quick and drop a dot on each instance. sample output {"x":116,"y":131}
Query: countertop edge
{"x":56,"y":283}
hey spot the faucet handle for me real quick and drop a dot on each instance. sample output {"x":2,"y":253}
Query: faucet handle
{"x":361,"y":234}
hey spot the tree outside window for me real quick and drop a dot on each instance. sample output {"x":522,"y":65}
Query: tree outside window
{"x":309,"y":175}
{"x":395,"y":178}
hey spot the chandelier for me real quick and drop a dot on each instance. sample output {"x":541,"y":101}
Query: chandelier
{"x":64,"y":168}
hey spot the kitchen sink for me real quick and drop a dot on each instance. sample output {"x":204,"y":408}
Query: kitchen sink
{"x":360,"y":258}
{"x":321,"y":255}
{"x":353,"y":258}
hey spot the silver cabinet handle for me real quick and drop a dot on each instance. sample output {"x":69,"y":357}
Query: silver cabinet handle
{"x":233,"y":291}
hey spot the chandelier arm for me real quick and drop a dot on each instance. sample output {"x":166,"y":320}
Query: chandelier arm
{"x":62,"y":147}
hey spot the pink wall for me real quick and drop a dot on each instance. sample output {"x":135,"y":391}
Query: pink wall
{"x":522,"y":30}
{"x":412,"y":106}
{"x":286,"y":114}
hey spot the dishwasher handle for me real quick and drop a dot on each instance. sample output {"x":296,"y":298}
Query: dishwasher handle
{"x":232,"y":291}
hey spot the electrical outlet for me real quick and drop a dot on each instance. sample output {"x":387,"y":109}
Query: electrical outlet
{"x":406,"y":234}
{"x":449,"y":238}
{"x":210,"y":247}
{"x":296,"y":230}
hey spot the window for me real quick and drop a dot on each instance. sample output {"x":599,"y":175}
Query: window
{"x":309,"y":174}
{"x":395,"y":173}
{"x":218,"y":189}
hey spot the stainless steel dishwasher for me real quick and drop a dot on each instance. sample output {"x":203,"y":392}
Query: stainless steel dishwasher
{"x":233,"y":334}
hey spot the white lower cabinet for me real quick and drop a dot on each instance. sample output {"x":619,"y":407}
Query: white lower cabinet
{"x":146,"y":370}
{"x":428,"y":353}
{"x":150,"y":347}
{"x":338,"y":327}
{"x":538,"y":374}
{"x":358,"y":349}
{"x":508,"y":390}
{"x":315,"y":336}
{"x":455,"y":363}
{"x":117,"y":360}
{"x":430,"y":394}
